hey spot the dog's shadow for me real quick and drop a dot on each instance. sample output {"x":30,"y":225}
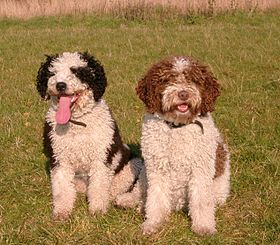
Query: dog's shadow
{"x":48,"y":167}
{"x":135,"y":150}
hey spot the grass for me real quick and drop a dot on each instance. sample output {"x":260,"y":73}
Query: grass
{"x":30,"y":8}
{"x":241,"y":49}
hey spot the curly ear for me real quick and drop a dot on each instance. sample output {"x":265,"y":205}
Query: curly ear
{"x":93,"y":74}
{"x":210,"y":92}
{"x":149,"y":90}
{"x":142,"y":90}
{"x":43,"y":76}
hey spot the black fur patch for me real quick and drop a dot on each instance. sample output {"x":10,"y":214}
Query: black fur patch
{"x":93,"y":74}
{"x":116,"y":146}
{"x":48,"y":150}
{"x":43,"y":76}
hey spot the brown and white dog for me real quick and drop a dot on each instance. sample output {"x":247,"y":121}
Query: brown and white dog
{"x":81,"y":136}
{"x":186,"y":161}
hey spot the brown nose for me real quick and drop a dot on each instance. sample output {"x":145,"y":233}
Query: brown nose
{"x":183,"y":95}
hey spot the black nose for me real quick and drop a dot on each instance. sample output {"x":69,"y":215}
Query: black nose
{"x":183,"y":95}
{"x":61,"y":86}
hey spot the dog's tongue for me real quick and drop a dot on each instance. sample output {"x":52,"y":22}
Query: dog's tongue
{"x":63,"y":114}
{"x":182,"y":108}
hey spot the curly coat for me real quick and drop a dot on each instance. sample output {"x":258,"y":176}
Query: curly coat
{"x":151,"y":87}
{"x":186,"y":160}
{"x":86,"y":151}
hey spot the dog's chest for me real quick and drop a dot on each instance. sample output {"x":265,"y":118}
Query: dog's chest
{"x":80,"y":146}
{"x":177,"y":150}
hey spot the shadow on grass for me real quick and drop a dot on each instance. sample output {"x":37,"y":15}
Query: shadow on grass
{"x":48,"y":151}
{"x":135,"y":150}
{"x":48,"y":167}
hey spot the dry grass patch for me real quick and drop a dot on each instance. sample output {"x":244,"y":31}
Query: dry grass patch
{"x":30,"y":8}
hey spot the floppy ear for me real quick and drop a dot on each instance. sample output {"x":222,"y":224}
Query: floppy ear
{"x":93,"y":74}
{"x":142,"y":90}
{"x":43,"y":76}
{"x":149,"y":90}
{"x":210,"y":90}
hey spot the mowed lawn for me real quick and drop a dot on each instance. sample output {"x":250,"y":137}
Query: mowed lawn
{"x":243,"y":50}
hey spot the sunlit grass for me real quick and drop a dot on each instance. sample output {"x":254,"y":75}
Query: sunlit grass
{"x":241,"y":49}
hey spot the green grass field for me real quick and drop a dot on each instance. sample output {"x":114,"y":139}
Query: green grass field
{"x":243,"y":52}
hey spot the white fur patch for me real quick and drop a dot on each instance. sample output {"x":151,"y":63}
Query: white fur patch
{"x":180,"y":64}
{"x":65,"y":61}
{"x":62,"y":73}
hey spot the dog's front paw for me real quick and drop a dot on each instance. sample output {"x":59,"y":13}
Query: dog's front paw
{"x":149,"y":228}
{"x":61,"y":216}
{"x":204,"y":229}
{"x":125,"y":200}
{"x":98,"y":204}
{"x":95,"y":209}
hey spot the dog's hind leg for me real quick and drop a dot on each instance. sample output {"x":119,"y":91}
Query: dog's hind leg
{"x":126,"y":178}
{"x":81,"y":184}
{"x":63,"y":191}
{"x":137,"y":196}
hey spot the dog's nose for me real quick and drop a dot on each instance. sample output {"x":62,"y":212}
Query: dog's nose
{"x":183,"y":95}
{"x":61,"y":86}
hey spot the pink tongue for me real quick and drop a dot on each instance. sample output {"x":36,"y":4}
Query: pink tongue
{"x":182,"y":108}
{"x":63,"y":114}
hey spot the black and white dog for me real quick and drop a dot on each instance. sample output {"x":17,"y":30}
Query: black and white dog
{"x":81,"y":136}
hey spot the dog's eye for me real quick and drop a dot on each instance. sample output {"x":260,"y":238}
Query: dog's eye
{"x":74,"y":70}
{"x":83,"y":72}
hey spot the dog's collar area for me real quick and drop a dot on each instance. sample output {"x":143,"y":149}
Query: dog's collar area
{"x":180,"y":125}
{"x":173,"y":125}
{"x":200,"y":125}
{"x":77,"y":123}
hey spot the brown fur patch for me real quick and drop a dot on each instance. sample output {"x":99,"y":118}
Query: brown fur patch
{"x":207,"y":84}
{"x":161,"y":74}
{"x":221,"y":155}
{"x":150,"y":88}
